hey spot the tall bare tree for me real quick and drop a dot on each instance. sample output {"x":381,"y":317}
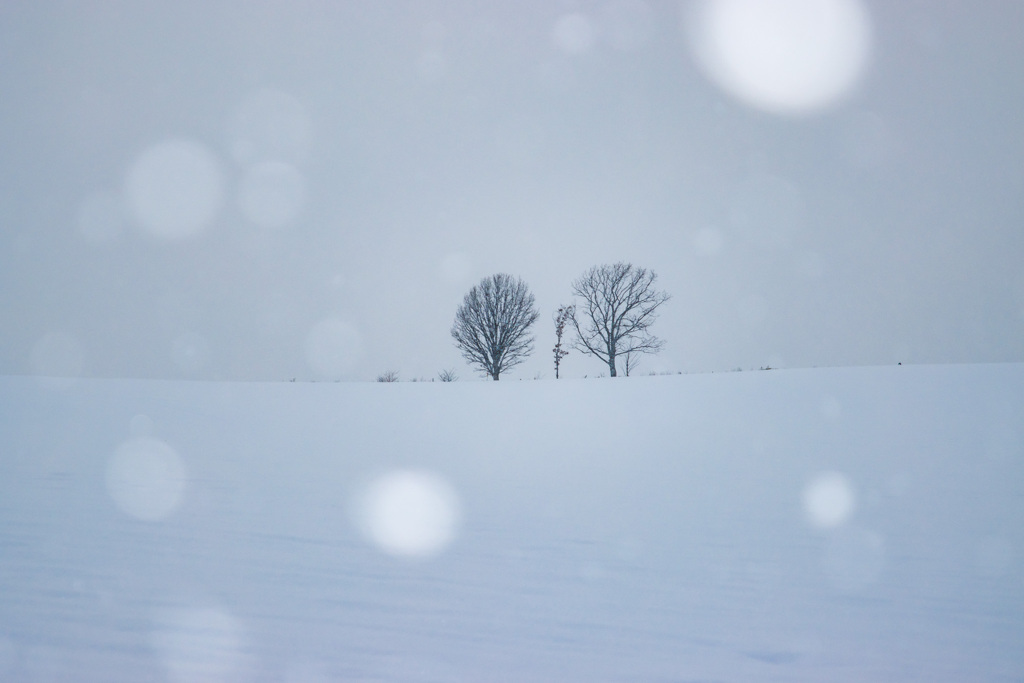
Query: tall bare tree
{"x":562,"y":316}
{"x":619,"y":306}
{"x":492,"y":325}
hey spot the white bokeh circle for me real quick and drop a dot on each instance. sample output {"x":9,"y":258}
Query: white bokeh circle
{"x":574,"y":34}
{"x":146,"y":479}
{"x":175,"y":189}
{"x":409,"y":513}
{"x":829,"y":500}
{"x":782,"y":56}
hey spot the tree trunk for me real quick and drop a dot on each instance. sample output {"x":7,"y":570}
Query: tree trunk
{"x":495,"y":377}
{"x":611,"y":366}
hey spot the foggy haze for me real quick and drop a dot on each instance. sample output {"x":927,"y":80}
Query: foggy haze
{"x":270,"y":191}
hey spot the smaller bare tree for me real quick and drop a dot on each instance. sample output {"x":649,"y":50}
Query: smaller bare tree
{"x":388,"y":376}
{"x":562,"y":316}
{"x":619,"y":306}
{"x":447,"y":375}
{"x":492,"y":325}
{"x":630,"y":362}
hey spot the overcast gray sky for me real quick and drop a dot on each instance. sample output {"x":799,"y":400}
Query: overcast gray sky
{"x":277,"y":190}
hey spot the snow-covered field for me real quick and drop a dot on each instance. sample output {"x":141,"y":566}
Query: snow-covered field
{"x":805,"y":525}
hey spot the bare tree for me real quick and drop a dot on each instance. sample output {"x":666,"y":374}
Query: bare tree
{"x":492,"y":325}
{"x":447,"y":375}
{"x":630,"y":361}
{"x":619,"y":306}
{"x":388,"y":376}
{"x":562,"y":316}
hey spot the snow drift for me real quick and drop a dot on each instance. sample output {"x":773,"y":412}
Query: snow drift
{"x":802,"y":525}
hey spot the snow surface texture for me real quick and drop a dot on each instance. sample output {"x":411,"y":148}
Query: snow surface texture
{"x":808,"y":525}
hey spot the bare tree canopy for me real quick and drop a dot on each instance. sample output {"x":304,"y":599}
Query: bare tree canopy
{"x":492,"y":324}
{"x":619,"y":306}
